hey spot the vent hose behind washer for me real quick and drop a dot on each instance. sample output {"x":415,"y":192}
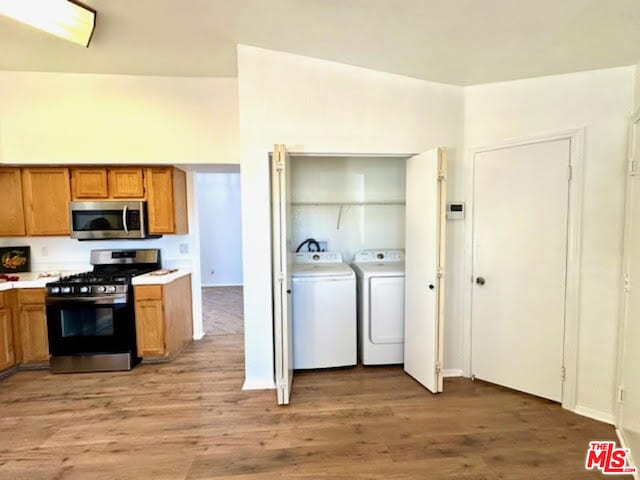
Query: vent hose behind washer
{"x":309,"y":242}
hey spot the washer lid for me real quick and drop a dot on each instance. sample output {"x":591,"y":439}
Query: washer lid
{"x":321,"y":270}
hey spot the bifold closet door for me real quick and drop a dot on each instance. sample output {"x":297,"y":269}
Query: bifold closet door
{"x":424,"y":275}
{"x":629,"y":414}
{"x":520,"y":215}
{"x":282,"y":259}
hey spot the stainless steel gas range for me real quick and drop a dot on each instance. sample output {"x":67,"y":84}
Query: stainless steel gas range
{"x":90,"y":316}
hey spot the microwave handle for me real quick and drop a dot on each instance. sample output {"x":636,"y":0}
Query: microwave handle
{"x":124,"y":219}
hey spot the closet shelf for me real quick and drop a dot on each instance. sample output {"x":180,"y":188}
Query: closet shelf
{"x":343,"y":204}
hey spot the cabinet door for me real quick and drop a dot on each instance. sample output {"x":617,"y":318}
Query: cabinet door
{"x":35,"y":344}
{"x":126,"y":183}
{"x":89,"y":183}
{"x":12,"y":216}
{"x":160,"y":200}
{"x":7,"y":357}
{"x":150,"y":328}
{"x":46,"y":193}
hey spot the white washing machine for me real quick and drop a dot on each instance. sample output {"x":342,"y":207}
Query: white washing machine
{"x":324,"y":311}
{"x":380,"y":306}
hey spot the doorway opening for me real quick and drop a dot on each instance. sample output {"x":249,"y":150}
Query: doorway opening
{"x":220,"y":239}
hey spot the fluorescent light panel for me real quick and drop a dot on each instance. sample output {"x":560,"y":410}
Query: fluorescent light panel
{"x":61,"y":18}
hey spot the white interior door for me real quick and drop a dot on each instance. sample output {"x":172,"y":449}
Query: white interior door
{"x":424,"y":271}
{"x":282,"y":258}
{"x":629,"y":414}
{"x":520,"y":215}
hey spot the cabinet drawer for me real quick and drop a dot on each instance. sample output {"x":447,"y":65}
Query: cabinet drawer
{"x":28,"y":296}
{"x":148,"y":292}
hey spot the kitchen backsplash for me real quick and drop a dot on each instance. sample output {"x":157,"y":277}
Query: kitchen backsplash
{"x":63,"y":253}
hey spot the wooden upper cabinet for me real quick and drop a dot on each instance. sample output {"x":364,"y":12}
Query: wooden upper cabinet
{"x":126,"y":182}
{"x":12,"y":215}
{"x":166,"y":200}
{"x":89,"y":182}
{"x":46,"y":192}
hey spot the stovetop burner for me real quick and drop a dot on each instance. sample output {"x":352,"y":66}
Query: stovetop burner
{"x":111,"y":275}
{"x":98,"y":277}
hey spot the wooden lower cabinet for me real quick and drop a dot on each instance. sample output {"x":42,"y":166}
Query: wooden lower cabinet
{"x":7,"y":352}
{"x":164,"y":320}
{"x":150,"y":328}
{"x":33,"y":325}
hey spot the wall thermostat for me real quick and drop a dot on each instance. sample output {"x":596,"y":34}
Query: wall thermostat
{"x":455,"y":210}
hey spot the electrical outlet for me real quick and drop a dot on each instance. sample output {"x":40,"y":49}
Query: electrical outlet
{"x":45,"y":251}
{"x":184,"y":248}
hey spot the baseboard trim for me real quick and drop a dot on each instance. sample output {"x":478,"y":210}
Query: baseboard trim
{"x":258,"y":384}
{"x":198,"y":335}
{"x":630,"y":461}
{"x":211,"y":285}
{"x":595,"y":414}
{"x":452,"y":372}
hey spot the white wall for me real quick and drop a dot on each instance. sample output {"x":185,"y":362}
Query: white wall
{"x":318,"y":106}
{"x":601,"y":101}
{"x":220,"y":228}
{"x":348,"y":179}
{"x":88,"y":118}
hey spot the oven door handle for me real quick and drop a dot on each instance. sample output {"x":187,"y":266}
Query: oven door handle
{"x":124,"y":219}
{"x":106,"y":300}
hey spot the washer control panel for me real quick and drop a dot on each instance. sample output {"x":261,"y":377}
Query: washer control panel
{"x":318,"y":257}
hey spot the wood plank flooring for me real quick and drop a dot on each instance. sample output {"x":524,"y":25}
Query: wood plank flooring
{"x":189,"y":419}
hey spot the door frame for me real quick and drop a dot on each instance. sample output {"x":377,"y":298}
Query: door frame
{"x":576,"y":138}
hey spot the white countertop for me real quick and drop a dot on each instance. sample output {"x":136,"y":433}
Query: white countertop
{"x":32,"y":279}
{"x":151,"y":279}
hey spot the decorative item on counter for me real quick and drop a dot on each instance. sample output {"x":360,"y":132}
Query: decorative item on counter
{"x":15,"y":259}
{"x":164,"y":271}
{"x":9,"y":278}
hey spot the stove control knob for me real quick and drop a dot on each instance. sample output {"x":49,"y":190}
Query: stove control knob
{"x":111,"y":289}
{"x":55,"y":290}
{"x":101,"y":289}
{"x":84,"y":289}
{"x":65,"y":290}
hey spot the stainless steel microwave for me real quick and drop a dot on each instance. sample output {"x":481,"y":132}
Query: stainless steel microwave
{"x":104,"y":220}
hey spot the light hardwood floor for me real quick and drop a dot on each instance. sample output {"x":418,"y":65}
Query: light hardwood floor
{"x":189,"y":419}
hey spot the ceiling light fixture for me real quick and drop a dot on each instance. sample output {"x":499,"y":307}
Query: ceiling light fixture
{"x":63,"y":18}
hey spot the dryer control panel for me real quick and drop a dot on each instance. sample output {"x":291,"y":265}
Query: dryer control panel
{"x":379,"y":256}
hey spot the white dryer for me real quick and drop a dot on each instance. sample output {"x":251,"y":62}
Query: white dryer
{"x":324,"y":311}
{"x":380,"y":306}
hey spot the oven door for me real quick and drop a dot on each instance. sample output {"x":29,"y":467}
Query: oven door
{"x":90,"y":327}
{"x":104,"y":220}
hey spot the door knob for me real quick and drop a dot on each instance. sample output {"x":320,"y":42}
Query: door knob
{"x":431,"y":286}
{"x":289,"y":291}
{"x":480,"y":281}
